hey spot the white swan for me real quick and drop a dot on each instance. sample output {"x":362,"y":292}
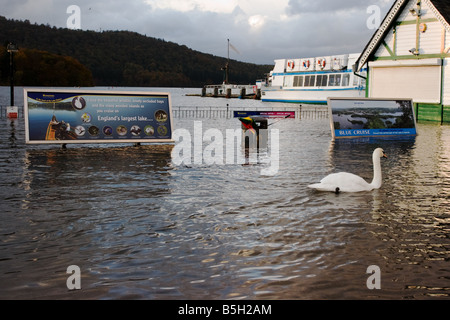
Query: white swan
{"x":348,"y":182}
{"x":78,"y":103}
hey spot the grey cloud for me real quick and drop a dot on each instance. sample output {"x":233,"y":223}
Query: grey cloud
{"x":314,"y":28}
{"x":298,"y":7}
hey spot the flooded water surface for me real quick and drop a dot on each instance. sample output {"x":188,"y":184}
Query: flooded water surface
{"x":139,"y":225}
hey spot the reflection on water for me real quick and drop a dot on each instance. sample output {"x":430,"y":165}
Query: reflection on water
{"x":75,"y":206}
{"x":140,"y":227}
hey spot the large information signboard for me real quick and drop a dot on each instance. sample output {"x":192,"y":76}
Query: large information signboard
{"x":356,"y":117}
{"x":76,"y":116}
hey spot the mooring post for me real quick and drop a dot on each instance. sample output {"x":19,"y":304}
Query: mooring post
{"x":11,"y":48}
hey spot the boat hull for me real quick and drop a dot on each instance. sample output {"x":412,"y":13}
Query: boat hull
{"x":310,"y":96}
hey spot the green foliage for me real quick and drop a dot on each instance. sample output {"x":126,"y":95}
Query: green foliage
{"x":374,"y":122}
{"x":122,"y":58}
{"x":41,"y":68}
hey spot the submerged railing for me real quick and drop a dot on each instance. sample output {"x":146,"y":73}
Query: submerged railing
{"x":313,"y":112}
{"x":214,"y":112}
{"x":301,"y":112}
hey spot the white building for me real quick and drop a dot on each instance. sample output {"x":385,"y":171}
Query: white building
{"x":409,"y":55}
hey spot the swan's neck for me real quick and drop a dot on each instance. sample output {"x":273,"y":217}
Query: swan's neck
{"x":377,"y":177}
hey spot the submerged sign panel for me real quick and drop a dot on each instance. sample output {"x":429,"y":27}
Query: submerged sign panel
{"x":265,"y":114}
{"x":75,"y":116}
{"x":356,"y":117}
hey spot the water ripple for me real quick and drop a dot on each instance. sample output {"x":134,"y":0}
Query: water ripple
{"x":140,"y":227}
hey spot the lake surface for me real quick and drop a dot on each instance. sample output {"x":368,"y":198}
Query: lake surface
{"x":140,"y":226}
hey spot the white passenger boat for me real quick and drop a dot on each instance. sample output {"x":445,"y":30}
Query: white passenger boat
{"x":313,"y":80}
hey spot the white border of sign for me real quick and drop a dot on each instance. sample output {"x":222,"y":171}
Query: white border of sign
{"x":99,"y":93}
{"x":361,"y":133}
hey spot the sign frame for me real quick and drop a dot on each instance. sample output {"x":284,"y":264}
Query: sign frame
{"x":389,"y":104}
{"x":102,"y":116}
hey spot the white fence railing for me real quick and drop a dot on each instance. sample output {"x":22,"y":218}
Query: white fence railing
{"x":301,"y":112}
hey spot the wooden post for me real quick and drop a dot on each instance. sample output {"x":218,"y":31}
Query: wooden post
{"x":242,"y":96}
{"x":258,"y":94}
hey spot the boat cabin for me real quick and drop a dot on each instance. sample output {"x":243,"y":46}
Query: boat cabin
{"x":320,"y":72}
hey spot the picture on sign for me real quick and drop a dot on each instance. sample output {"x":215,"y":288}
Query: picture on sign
{"x":356,"y":117}
{"x":66,"y":116}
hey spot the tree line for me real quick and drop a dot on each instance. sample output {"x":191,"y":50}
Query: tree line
{"x":113,"y":58}
{"x":40,"y":68}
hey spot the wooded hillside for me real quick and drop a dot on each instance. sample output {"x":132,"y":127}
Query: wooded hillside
{"x":122,"y":58}
{"x":40,"y":68}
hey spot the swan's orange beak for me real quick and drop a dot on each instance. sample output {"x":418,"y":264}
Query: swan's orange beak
{"x":384,"y":155}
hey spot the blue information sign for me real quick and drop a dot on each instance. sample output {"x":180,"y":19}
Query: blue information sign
{"x":76,"y":116}
{"x":356,"y":117}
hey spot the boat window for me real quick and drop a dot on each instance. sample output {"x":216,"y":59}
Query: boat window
{"x":298,"y":81}
{"x":331,"y":83}
{"x":346,"y":80}
{"x":358,"y":80}
{"x":335,"y":80}
{"x":322,"y":81}
{"x":307,"y":78}
{"x":288,"y":80}
{"x":363,"y":82}
{"x":310,"y":81}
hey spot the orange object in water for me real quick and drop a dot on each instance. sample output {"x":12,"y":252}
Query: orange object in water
{"x":51,"y":132}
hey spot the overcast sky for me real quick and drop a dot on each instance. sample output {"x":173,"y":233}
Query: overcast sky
{"x":260,"y":30}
